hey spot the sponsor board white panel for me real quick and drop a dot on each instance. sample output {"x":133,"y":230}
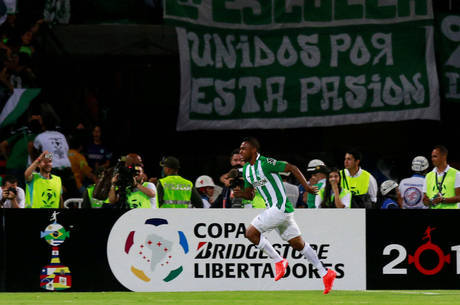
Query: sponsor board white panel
{"x":206,"y":250}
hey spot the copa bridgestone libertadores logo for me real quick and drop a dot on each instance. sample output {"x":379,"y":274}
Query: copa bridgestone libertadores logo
{"x":146,"y":252}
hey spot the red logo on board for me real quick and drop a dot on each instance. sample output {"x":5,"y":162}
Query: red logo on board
{"x":415,"y":259}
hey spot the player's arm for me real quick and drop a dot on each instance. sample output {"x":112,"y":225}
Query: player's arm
{"x":294,"y":170}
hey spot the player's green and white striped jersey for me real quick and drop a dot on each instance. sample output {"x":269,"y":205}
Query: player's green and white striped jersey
{"x":263,"y":176}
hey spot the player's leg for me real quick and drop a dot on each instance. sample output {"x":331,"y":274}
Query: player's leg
{"x":290,"y":231}
{"x":264,"y":222}
{"x":300,"y":245}
{"x":255,"y":236}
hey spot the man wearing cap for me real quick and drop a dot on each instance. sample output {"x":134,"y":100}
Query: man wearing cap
{"x":411,"y":188}
{"x":43,"y":190}
{"x":205,"y":186}
{"x":442,"y":185}
{"x":391,"y":195}
{"x":318,"y":170}
{"x":358,"y":181}
{"x":175,"y":191}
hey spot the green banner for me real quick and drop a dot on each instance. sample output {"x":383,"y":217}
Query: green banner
{"x":287,"y":64}
{"x":448,"y":53}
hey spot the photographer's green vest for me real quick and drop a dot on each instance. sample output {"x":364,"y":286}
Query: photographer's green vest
{"x":331,"y":203}
{"x":359,"y":187}
{"x":177,"y":192}
{"x":43,"y":193}
{"x":446,"y":186}
{"x":95,"y":203}
{"x":138,"y":199}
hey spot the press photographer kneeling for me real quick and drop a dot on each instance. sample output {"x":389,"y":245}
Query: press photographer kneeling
{"x":129,"y":191}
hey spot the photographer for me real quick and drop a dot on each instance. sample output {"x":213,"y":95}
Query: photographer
{"x":226,"y":199}
{"x":139,"y":194}
{"x":12,"y":195}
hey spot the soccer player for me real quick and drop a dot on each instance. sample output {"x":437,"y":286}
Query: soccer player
{"x":262,"y":173}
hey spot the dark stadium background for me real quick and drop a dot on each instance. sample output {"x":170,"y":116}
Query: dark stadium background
{"x":134,"y":63}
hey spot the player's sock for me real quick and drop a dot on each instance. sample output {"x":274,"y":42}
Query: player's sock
{"x":267,"y":247}
{"x":310,"y":254}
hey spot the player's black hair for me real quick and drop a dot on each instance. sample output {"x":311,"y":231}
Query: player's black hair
{"x":253,"y":142}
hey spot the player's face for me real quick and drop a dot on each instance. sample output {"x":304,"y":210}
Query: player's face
{"x":436,"y":157}
{"x":246,"y":151}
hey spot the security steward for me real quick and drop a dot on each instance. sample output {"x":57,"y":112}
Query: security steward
{"x":43,"y":190}
{"x":175,"y":191}
{"x":358,"y":181}
{"x":441,"y":189}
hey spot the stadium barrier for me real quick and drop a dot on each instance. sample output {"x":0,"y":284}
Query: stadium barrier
{"x":199,"y":250}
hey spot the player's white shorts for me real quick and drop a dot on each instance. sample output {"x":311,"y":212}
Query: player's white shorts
{"x":283,"y":223}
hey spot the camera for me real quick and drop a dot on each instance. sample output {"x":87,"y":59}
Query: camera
{"x":236,"y":178}
{"x":13,"y":190}
{"x":125,"y":182}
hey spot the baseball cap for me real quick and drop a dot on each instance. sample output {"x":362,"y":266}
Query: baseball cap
{"x":387,"y":186}
{"x":419,"y":164}
{"x":170,"y":162}
{"x":314,"y":165}
{"x":203,"y":181}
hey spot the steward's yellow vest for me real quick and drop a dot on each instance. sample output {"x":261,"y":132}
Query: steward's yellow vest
{"x":331,"y":204}
{"x":177,"y":192}
{"x":95,"y":203}
{"x":138,"y":199}
{"x":356,"y":185}
{"x":43,"y":193}
{"x":257,"y":203}
{"x":447,"y":189}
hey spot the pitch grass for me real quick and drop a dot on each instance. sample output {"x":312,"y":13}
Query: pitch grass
{"x":237,"y":297}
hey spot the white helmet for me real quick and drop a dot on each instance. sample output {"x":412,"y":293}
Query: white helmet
{"x":313,"y":164}
{"x":419,"y":164}
{"x":387,"y":186}
{"x":203,"y":181}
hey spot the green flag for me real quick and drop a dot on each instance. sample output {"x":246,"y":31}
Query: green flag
{"x":18,"y":102}
{"x":289,"y":64}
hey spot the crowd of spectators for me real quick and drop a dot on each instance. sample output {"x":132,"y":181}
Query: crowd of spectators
{"x":47,"y":166}
{"x":85,"y":174}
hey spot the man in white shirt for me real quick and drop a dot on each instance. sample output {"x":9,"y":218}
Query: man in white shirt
{"x":56,"y":143}
{"x":442,"y":185}
{"x":12,"y":195}
{"x":411,"y":188}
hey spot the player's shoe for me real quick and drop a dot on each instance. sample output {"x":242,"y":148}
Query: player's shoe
{"x":328,"y":280}
{"x":280,"y":268}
